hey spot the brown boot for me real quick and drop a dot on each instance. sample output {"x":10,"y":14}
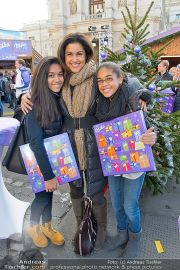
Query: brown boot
{"x":100,"y":213}
{"x":55,"y":236}
{"x":37,"y":236}
{"x":77,"y":208}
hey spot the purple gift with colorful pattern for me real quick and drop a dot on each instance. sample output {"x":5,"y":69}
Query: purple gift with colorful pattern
{"x":167,"y":100}
{"x":120,"y":148}
{"x":61,"y":158}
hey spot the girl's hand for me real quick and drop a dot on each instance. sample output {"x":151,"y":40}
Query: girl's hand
{"x":26,"y":104}
{"x":149,"y":137}
{"x":143,"y":105}
{"x":51,"y":185}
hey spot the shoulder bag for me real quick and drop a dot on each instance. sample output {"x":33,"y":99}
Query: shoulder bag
{"x":13,"y":160}
{"x":85,"y":236}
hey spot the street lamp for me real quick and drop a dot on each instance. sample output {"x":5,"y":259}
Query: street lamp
{"x":106,"y":41}
{"x":102,"y":37}
{"x":94,"y":42}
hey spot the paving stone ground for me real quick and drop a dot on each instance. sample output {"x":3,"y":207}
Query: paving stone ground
{"x":159,"y":222}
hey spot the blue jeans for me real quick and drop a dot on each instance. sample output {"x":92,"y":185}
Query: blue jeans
{"x":125,"y":201}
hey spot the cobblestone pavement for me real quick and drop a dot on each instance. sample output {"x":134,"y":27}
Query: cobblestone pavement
{"x":159,"y":221}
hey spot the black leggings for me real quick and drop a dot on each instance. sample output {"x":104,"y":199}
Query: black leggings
{"x":41,"y":207}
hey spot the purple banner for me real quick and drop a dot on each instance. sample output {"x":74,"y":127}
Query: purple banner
{"x":11,"y":49}
{"x":120,"y":148}
{"x":61,"y":158}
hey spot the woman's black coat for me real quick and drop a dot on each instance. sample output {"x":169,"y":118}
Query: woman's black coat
{"x":96,"y":181}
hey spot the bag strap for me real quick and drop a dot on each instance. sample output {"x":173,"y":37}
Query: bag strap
{"x":87,"y":207}
{"x":23,"y":119}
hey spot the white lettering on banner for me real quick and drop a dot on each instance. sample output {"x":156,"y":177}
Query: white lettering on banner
{"x":4,"y":44}
{"x":20,"y":45}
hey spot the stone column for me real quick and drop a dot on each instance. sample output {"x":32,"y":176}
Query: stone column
{"x":109,"y":8}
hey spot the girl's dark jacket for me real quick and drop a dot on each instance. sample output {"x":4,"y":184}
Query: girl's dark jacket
{"x":36,"y":134}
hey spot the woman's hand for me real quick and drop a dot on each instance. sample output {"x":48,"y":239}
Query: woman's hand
{"x":26,"y":104}
{"x":149,"y":137}
{"x":143,"y":105}
{"x":51,"y":185}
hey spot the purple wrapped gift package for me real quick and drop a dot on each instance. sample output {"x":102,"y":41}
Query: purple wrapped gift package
{"x":167,"y":102}
{"x":61,"y":158}
{"x":119,"y":145}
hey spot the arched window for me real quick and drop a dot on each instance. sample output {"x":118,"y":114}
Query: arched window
{"x":96,"y":6}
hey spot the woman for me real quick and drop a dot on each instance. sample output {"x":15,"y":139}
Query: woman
{"x":78,"y":103}
{"x":43,"y":121}
{"x":124,"y":189}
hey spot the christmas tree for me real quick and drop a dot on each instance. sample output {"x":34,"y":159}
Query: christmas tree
{"x":138,"y":59}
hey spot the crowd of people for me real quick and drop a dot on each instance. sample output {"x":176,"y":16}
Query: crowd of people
{"x":70,"y":94}
{"x":7,"y":89}
{"x":13,"y":83}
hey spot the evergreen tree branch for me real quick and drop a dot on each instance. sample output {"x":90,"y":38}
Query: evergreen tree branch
{"x":132,"y":23}
{"x":145,"y":16}
{"x":126,"y":21}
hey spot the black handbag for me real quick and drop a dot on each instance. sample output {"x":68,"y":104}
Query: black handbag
{"x":86,"y":233}
{"x":18,"y":113}
{"x":13,"y":160}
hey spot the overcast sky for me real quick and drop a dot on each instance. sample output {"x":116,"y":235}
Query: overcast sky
{"x":16,"y":12}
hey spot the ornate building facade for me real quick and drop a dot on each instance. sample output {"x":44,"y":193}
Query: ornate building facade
{"x":172,"y":13}
{"x":101,"y":20}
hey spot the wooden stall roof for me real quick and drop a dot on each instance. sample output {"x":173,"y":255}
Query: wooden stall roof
{"x":173,"y":31}
{"x":173,"y":49}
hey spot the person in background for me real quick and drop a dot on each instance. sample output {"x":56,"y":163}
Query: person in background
{"x":7,"y":77}
{"x":8,"y":91}
{"x":4,"y":80}
{"x":44,"y":120}
{"x":2,"y":90}
{"x":172,"y":71}
{"x":176,"y":76}
{"x":177,"y":90}
{"x":114,"y":101}
{"x":13,"y":89}
{"x":22,"y":78}
{"x":1,"y":106}
{"x":163,"y":74}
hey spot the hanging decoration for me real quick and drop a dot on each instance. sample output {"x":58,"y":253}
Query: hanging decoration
{"x":137,"y":49}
